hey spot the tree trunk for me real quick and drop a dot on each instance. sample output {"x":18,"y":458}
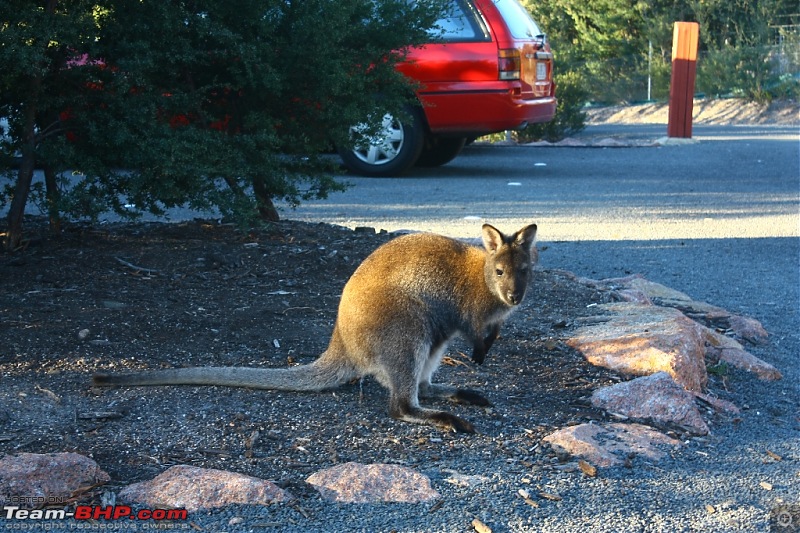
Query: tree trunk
{"x":266,"y":209}
{"x":53,"y":196}
{"x":16,"y":212}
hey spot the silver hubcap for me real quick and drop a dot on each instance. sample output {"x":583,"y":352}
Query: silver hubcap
{"x":381,"y":148}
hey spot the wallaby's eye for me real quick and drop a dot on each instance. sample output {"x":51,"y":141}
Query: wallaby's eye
{"x":499,"y":272}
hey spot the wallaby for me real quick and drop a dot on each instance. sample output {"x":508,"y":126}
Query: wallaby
{"x":398,"y":312}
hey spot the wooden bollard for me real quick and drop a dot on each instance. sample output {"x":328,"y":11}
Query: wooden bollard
{"x":685,"y":37}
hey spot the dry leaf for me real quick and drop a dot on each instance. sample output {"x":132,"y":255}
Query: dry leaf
{"x":774,"y":455}
{"x":551,"y":497}
{"x":480,"y":527}
{"x":447,"y":360}
{"x":710,"y":509}
{"x":587,"y":468}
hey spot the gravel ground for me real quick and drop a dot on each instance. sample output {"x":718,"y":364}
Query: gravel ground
{"x":713,"y":484}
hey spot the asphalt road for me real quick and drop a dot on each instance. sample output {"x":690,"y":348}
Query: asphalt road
{"x":734,"y":182}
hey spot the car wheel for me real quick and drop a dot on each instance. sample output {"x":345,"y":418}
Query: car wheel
{"x":390,"y":153}
{"x":439,"y":151}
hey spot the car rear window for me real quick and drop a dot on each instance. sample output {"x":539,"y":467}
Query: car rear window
{"x":461,"y":24}
{"x":518,"y":19}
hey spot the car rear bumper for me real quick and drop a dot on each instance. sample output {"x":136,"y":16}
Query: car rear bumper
{"x":491,"y":108}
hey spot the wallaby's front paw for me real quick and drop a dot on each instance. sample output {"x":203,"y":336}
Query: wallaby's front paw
{"x":471,"y":397}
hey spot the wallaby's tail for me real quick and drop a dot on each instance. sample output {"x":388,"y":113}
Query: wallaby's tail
{"x":323,"y":373}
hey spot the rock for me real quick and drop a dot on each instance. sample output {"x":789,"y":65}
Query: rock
{"x":360,"y":483}
{"x":611,"y":444}
{"x":32,"y":480}
{"x":645,"y":339}
{"x":632,"y":295}
{"x":740,"y":327}
{"x":657,"y":398}
{"x":722,"y":348}
{"x":193,"y":488}
{"x":748,"y":329}
{"x":719,"y":405}
{"x":633,"y":288}
{"x":654,"y":291}
{"x":635,"y":282}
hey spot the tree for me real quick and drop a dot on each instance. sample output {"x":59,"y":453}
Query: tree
{"x":608,"y":42}
{"x":604,"y":41}
{"x":33,"y":61}
{"x":203,"y":103}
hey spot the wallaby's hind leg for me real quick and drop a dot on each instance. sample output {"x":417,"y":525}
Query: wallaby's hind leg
{"x":467,"y":396}
{"x":403,"y":385}
{"x":407,"y":409}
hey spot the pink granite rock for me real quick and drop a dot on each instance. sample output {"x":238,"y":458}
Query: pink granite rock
{"x":636,"y":288}
{"x":611,"y":444}
{"x":193,"y":488}
{"x":644,"y":339}
{"x":657,"y":398}
{"x":722,"y":348}
{"x":360,"y":483}
{"x":33,"y":480}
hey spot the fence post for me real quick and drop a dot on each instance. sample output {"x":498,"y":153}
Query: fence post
{"x":684,"y":69}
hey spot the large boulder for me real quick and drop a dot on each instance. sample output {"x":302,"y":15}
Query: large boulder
{"x":644,"y":339}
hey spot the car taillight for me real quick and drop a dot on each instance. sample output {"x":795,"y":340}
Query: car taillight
{"x":508,"y":61}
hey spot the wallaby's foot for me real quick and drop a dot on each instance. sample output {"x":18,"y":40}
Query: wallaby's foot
{"x":467,"y":396}
{"x":470,"y":397}
{"x":442,"y":419}
{"x":452,"y":422}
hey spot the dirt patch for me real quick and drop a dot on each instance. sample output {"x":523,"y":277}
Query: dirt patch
{"x":705,"y":111}
{"x":126,"y":297}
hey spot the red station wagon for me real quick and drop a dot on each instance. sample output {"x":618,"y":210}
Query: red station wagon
{"x":490,"y":70}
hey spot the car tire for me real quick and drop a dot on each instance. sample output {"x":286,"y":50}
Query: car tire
{"x":439,"y":151}
{"x":391,"y":154}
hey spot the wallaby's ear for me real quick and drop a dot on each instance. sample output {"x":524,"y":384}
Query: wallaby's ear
{"x":492,"y":238}
{"x":526,"y":237}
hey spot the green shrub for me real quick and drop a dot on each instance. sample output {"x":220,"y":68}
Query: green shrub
{"x":749,"y":72}
{"x":570,"y":118}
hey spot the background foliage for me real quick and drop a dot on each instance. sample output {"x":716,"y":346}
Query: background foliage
{"x":607,"y":50}
{"x":205,"y":103}
{"x":228,"y":105}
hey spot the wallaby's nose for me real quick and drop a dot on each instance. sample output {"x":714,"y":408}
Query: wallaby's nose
{"x":515,"y":297}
